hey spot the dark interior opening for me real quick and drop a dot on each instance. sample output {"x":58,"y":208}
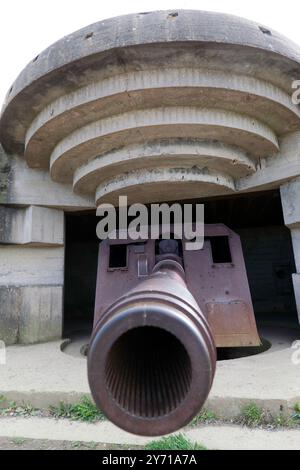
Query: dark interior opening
{"x":220,"y":249}
{"x":118,"y":256}
{"x":267,"y":248}
{"x":81,"y":258}
{"x":148,"y":372}
{"x":171,"y":246}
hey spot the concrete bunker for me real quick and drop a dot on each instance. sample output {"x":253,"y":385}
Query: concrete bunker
{"x":161,"y":108}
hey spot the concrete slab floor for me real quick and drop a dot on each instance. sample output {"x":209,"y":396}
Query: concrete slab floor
{"x":212,"y":436}
{"x":43,"y":375}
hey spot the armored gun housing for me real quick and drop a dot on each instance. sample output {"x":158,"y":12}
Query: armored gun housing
{"x":160,"y":313}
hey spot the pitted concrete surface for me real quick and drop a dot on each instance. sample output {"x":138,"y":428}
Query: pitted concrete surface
{"x":43,"y":375}
{"x":212,"y":437}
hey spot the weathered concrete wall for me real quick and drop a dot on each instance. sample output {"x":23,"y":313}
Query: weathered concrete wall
{"x":21,"y":185}
{"x":31,"y":225}
{"x":272,"y":172}
{"x":32,"y":251}
{"x":22,"y":265}
{"x":30,"y":314}
{"x":290,"y":197}
{"x":31,"y":274}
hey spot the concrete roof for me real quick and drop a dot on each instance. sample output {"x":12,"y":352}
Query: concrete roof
{"x":192,"y":100}
{"x":76,"y":53}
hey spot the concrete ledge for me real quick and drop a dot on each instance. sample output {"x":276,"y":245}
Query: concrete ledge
{"x":31,"y":226}
{"x":23,"y":186}
{"x":146,"y":89}
{"x":194,"y":154}
{"x":149,"y":125}
{"x":162,"y":184}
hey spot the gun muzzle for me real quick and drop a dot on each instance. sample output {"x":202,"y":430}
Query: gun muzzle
{"x":152,"y":356}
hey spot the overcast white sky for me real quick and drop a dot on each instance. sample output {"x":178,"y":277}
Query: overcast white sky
{"x":29,"y":26}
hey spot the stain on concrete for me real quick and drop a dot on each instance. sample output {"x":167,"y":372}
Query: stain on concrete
{"x":5,"y":175}
{"x":10,"y":309}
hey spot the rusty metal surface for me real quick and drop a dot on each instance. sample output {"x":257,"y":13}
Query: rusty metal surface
{"x":232,"y":323}
{"x":152,"y":356}
{"x":222,"y":290}
{"x":219,"y":284}
{"x":159,"y":316}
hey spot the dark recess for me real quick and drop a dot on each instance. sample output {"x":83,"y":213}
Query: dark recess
{"x":267,"y":247}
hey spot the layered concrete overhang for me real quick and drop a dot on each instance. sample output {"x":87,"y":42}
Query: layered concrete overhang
{"x":160,"y":106}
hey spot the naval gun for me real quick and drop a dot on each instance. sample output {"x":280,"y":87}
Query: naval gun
{"x":160,"y":313}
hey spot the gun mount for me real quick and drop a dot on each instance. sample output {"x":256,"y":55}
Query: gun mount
{"x":160,"y":313}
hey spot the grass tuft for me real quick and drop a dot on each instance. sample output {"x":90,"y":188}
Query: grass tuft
{"x":204,"y":417}
{"x":88,"y":445}
{"x":2,"y":399}
{"x":13,"y":409}
{"x":174,"y":442}
{"x":251,"y":415}
{"x":18,"y":440}
{"x":296,"y":415}
{"x":85,"y":410}
{"x":281,"y":421}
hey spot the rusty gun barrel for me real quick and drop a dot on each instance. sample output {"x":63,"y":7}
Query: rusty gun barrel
{"x":152,"y":356}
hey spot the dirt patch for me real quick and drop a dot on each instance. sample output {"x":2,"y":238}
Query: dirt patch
{"x":19,"y":443}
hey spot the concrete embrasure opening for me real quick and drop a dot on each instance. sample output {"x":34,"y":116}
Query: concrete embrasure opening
{"x":267,"y":249}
